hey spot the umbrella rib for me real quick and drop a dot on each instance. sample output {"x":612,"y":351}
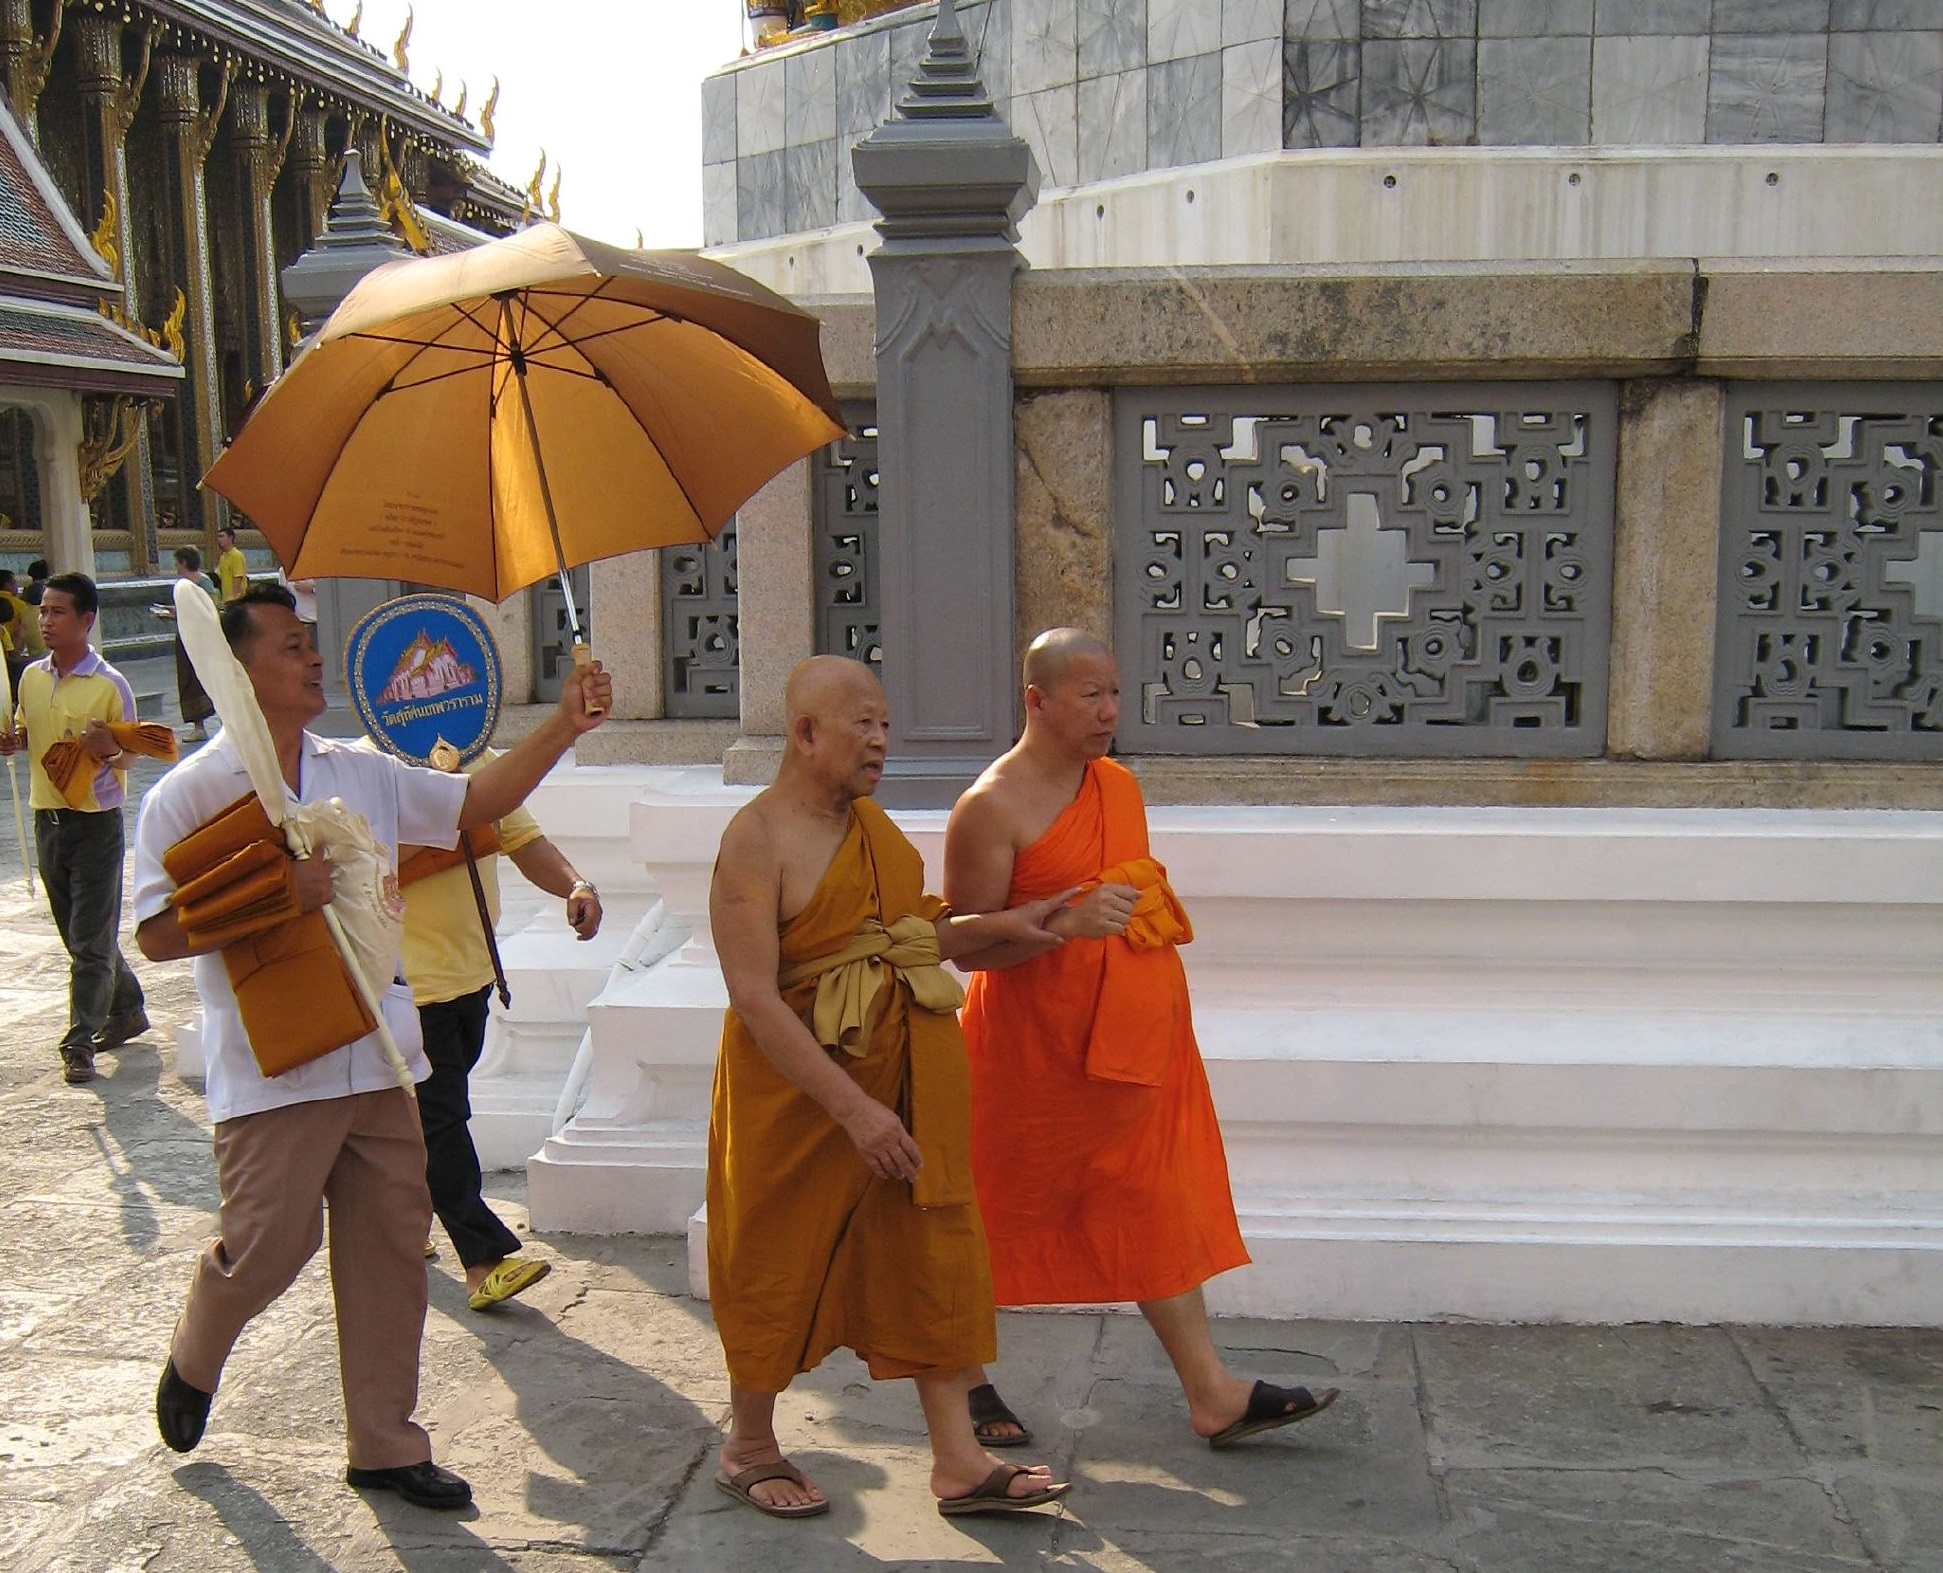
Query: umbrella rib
{"x":555,"y":327}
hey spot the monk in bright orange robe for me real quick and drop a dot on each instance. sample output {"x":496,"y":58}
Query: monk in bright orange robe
{"x":1097,"y":1155}
{"x":840,"y":1202}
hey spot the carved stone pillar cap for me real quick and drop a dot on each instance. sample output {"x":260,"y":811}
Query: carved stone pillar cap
{"x":355,"y":240}
{"x":945,"y":165}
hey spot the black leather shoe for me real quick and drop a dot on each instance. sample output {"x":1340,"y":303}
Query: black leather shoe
{"x":422,"y":1485}
{"x":121,"y":1029}
{"x":181,"y":1411}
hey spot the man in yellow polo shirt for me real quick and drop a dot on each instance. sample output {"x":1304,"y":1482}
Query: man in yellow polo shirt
{"x":451,"y":973}
{"x":232,"y":573}
{"x":71,"y":692}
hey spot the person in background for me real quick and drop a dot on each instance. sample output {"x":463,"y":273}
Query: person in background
{"x":232,"y":573}
{"x":68,"y":692}
{"x":451,"y":970}
{"x":15,"y":615}
{"x":37,"y":572}
{"x":197,"y":707}
{"x":304,"y":593}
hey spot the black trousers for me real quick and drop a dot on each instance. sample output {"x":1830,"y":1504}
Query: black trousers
{"x":80,"y":864}
{"x":455,"y":1033}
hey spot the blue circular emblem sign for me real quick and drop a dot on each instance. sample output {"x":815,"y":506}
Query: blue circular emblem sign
{"x":424,"y":673}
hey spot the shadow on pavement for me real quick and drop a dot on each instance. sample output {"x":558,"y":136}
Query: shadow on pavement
{"x":150,"y":1151}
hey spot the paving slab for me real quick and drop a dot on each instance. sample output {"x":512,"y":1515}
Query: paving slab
{"x":587,"y":1414}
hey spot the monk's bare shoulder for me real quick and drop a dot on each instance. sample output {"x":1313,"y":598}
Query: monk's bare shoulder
{"x":749,"y":843}
{"x":990,"y":809}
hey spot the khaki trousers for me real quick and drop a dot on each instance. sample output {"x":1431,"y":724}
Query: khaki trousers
{"x":362,"y":1155}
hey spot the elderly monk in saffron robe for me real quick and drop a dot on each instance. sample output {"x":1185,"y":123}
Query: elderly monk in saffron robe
{"x":840,"y":1203}
{"x":1098,"y":1161}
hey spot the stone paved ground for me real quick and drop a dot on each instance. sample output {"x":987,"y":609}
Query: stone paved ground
{"x":586,"y":1415}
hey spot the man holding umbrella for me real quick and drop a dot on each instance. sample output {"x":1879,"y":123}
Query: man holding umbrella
{"x":339,"y":1129}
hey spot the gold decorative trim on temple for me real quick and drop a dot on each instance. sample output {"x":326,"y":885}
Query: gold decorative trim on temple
{"x":103,"y":238}
{"x":486,"y":112}
{"x":775,"y":22}
{"x":394,"y":201}
{"x":110,"y":429}
{"x":399,"y":56}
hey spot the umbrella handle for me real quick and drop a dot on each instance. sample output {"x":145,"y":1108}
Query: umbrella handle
{"x":583,"y":658}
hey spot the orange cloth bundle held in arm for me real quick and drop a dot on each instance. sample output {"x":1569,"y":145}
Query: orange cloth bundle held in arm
{"x":235,"y":889}
{"x":71,"y":765}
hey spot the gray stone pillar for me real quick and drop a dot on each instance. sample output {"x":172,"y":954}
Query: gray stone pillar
{"x":355,"y":240}
{"x":951,"y":183}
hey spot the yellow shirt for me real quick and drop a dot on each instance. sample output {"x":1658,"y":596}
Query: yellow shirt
{"x":51,"y":710}
{"x":17,"y":618}
{"x":233,"y":574}
{"x":445,"y":952}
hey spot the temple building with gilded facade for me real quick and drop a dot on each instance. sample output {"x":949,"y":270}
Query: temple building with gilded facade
{"x":199,"y":143}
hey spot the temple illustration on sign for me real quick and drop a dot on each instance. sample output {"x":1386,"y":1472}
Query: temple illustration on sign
{"x":428,"y":668}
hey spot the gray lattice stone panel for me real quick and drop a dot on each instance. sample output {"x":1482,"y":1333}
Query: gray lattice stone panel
{"x":1535,"y":91}
{"x":1868,"y":16}
{"x":718,"y":204}
{"x":1767,"y":88}
{"x":1831,"y":573}
{"x":1418,"y":92}
{"x":810,"y":186}
{"x":1049,"y":124}
{"x":700,"y":668}
{"x":1405,"y":570}
{"x":1533,"y":18}
{"x":760,"y":124}
{"x":810,"y":96}
{"x":988,"y":30}
{"x":1247,"y":21}
{"x":759,"y":199}
{"x":1323,"y":19}
{"x":1045,"y":48}
{"x":1649,"y":90}
{"x":1251,"y":98}
{"x":863,"y":85}
{"x":1112,"y":37}
{"x":1184,"y":112}
{"x":1885,"y":87}
{"x":1182,"y":29}
{"x":1113,"y":125}
{"x":846,"y":558}
{"x":1320,"y":93}
{"x":718,"y":119}
{"x":1771,"y":16}
{"x":1419,"y":18}
{"x":1634,"y":18}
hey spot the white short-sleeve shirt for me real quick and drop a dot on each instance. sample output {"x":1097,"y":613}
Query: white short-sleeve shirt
{"x":401,"y":804}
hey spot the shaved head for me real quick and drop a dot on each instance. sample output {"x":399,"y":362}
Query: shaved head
{"x":826,"y":684}
{"x":1049,"y":657}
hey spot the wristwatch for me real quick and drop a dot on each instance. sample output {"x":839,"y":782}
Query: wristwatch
{"x":583,"y":884}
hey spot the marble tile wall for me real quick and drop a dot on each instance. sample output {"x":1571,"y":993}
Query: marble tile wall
{"x":1108,"y":88}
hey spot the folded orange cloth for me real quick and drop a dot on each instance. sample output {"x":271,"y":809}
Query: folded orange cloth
{"x":71,"y":767}
{"x":427,"y":861}
{"x":297,"y":999}
{"x":1124,"y":1044}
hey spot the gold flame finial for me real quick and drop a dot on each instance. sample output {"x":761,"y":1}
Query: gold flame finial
{"x":459,"y":109}
{"x":553,"y":196}
{"x":438,"y":88}
{"x":486,"y":113}
{"x":356,"y":22}
{"x":103,"y":238}
{"x":399,"y":57}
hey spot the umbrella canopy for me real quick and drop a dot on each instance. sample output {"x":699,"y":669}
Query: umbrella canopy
{"x":481,"y":420}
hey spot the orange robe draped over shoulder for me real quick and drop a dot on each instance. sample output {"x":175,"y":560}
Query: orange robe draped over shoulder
{"x":1098,"y":1162}
{"x":807,"y":1250}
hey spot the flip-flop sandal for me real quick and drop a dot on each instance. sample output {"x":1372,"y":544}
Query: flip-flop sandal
{"x":737,"y":1486}
{"x":988,"y":1496}
{"x":988,"y":1409}
{"x":1269,"y":1407}
{"x":512,"y":1276}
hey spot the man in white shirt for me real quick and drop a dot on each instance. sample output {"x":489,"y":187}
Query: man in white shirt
{"x":340,"y":1128}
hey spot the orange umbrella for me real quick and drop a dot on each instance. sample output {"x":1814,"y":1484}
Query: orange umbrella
{"x":480,"y":420}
